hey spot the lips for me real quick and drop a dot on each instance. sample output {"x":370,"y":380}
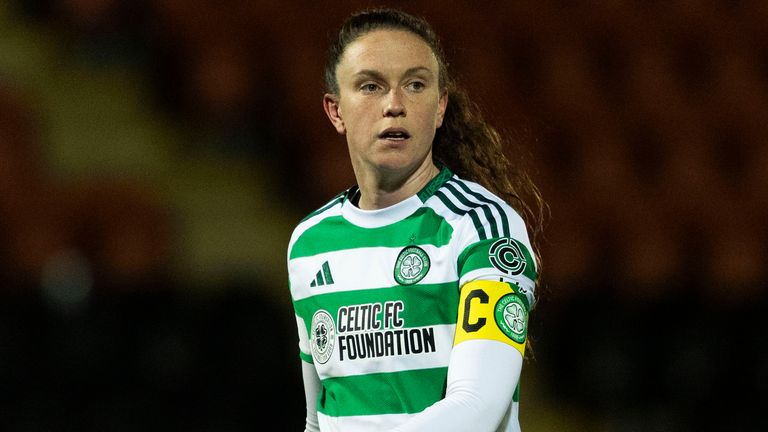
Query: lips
{"x":394,"y":134}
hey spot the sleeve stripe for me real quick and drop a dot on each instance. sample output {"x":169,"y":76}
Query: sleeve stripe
{"x":451,"y":206}
{"x":475,"y":207}
{"x":502,"y":214}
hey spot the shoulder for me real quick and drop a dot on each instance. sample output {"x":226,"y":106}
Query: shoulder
{"x":484,"y":213}
{"x":329,"y":209}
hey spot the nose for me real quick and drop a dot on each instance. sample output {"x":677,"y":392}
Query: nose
{"x":394,"y":104}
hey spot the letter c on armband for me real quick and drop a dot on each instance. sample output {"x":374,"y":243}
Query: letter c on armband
{"x":492,"y":310}
{"x":480,"y":322}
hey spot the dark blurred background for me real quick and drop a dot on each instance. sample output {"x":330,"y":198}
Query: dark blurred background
{"x":155,"y":154}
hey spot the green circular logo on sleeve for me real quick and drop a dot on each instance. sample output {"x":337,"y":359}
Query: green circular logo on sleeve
{"x":512,"y":317}
{"x":411,"y":266}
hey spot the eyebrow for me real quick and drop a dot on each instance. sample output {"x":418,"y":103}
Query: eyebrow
{"x":376,"y":74}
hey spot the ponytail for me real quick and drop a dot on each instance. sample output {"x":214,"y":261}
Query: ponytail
{"x":474,"y":150}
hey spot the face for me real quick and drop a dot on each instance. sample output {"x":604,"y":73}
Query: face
{"x":389,"y":103}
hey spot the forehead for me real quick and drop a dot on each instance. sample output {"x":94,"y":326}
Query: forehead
{"x":387,"y":49}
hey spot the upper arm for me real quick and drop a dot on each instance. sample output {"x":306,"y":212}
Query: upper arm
{"x":494,"y":311}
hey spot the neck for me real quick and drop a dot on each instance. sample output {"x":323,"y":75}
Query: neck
{"x":379,"y":190}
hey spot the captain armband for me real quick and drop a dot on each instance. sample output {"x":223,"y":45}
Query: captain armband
{"x":491,"y":310}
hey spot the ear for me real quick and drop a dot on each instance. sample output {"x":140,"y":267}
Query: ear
{"x":442,"y":105}
{"x":333,"y":111}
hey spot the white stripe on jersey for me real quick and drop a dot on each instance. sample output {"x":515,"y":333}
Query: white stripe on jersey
{"x":364,"y":268}
{"x":381,"y":422}
{"x":439,"y":358}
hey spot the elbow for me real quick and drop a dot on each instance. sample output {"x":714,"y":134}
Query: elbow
{"x":485,"y":410}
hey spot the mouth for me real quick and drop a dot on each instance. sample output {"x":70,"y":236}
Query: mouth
{"x":394,"y":134}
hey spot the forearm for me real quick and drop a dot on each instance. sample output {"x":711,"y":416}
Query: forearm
{"x":311,"y":390}
{"x":482,"y":376}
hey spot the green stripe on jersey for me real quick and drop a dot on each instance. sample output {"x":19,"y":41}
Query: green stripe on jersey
{"x":427,"y":304}
{"x":373,"y":394}
{"x":335,"y":233}
{"x":306,"y":357}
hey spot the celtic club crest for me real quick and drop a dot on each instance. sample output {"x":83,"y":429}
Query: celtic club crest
{"x":512,"y":317}
{"x":322,"y":337}
{"x":411,"y":266}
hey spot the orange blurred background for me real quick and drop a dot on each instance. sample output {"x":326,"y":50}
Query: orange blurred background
{"x":155,"y":155}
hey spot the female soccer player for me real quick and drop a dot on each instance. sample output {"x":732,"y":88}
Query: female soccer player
{"x":412,"y":289}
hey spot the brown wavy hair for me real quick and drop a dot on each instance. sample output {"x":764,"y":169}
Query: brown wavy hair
{"x":465,"y":143}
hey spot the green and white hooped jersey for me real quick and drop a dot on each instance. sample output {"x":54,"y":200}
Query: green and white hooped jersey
{"x":376,"y":294}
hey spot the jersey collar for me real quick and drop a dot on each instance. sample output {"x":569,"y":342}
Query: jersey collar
{"x":393,"y":213}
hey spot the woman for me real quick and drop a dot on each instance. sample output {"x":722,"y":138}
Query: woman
{"x":412,"y":289}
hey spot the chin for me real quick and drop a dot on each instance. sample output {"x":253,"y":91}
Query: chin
{"x":396,"y":163}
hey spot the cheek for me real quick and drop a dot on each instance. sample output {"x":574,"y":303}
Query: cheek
{"x":358,"y":119}
{"x":432,"y":119}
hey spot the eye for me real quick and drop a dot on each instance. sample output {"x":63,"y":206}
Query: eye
{"x":369,"y":88}
{"x":416,"y":86}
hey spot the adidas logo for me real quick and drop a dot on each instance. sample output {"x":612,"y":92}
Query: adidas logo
{"x":323,"y":276}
